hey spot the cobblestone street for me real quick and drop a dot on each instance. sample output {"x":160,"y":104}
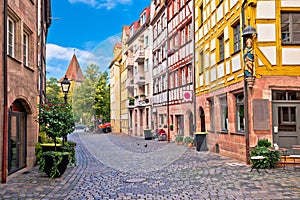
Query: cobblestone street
{"x":111,"y":166}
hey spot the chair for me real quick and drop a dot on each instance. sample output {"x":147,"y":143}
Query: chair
{"x":255,"y":160}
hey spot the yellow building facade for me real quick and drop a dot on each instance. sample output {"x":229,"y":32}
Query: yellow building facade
{"x":247,"y":73}
{"x":115,"y":84}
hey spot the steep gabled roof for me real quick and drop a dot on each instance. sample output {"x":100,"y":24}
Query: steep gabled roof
{"x":74,"y":72}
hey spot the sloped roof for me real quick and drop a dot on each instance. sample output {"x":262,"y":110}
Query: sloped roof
{"x":74,"y":72}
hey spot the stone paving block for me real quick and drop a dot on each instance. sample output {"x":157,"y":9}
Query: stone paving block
{"x":176,"y":173}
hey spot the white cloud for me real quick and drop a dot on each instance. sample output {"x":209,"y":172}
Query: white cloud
{"x":58,"y":57}
{"x":107,"y":4}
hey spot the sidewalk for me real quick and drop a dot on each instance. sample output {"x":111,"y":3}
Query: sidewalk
{"x":160,"y":171}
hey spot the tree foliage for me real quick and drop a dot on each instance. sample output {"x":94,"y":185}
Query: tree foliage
{"x":102,"y":98}
{"x":56,"y":120}
{"x":53,"y":90}
{"x":91,"y":100}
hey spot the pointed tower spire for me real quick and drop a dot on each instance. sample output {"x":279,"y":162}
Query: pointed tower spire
{"x":74,"y":72}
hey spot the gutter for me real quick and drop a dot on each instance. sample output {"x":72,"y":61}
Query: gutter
{"x":168,"y":78}
{"x":245,"y":93}
{"x":194,"y":70}
{"x":41,"y":51}
{"x":5,"y":108}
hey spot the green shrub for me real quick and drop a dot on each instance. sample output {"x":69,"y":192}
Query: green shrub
{"x":188,"y":140}
{"x":70,"y":148}
{"x":43,"y":138}
{"x":262,"y":149}
{"x":179,"y":138}
{"x":56,"y":158}
{"x":264,"y":143}
{"x":38,"y":152}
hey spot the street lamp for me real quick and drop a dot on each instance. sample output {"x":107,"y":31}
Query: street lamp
{"x":65,"y":86}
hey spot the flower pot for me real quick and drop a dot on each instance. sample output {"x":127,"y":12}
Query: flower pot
{"x":51,"y":160}
{"x":190,"y":144}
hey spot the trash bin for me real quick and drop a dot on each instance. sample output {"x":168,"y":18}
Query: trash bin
{"x":200,"y":138}
{"x":147,"y":134}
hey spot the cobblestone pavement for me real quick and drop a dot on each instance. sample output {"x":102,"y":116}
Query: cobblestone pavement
{"x":174,"y":172}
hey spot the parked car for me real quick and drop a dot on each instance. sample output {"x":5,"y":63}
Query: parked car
{"x":108,"y":127}
{"x":104,"y":127}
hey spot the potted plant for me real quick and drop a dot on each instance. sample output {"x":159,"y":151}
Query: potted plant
{"x":271,"y":157}
{"x":179,"y":139}
{"x":171,"y":127}
{"x":57,"y":121}
{"x":142,"y":96}
{"x":131,"y":101}
{"x":189,"y":141}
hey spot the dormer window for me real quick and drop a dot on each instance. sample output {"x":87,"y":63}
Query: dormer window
{"x":131,"y":30}
{"x":143,"y":18}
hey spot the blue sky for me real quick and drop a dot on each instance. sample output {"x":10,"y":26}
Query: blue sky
{"x":89,"y":28}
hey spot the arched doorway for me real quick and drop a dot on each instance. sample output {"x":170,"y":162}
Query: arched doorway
{"x":17,"y":133}
{"x":202,"y":119}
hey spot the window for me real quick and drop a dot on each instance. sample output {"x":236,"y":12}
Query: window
{"x":224,"y":113}
{"x":190,"y":75}
{"x":158,"y":27}
{"x":290,"y":28}
{"x":212,"y":114}
{"x":154,"y":86}
{"x":164,"y":49}
{"x":189,"y":30}
{"x":236,"y":37}
{"x":183,"y":76}
{"x":182,"y":36}
{"x":240,"y":118}
{"x":159,"y":84}
{"x":154,"y":32}
{"x":221,"y":47}
{"x":146,"y":41}
{"x":200,"y":15}
{"x":147,"y":89}
{"x":165,"y":82}
{"x":25,"y":49}
{"x":287,"y":118}
{"x":171,"y":43}
{"x":201,"y":65}
{"x":171,"y":82}
{"x":286,"y":95}
{"x":11,"y":37}
{"x":132,"y":31}
{"x":146,"y":65}
{"x":143,"y":19}
{"x":163,"y":21}
{"x":176,"y":38}
{"x":176,"y":79}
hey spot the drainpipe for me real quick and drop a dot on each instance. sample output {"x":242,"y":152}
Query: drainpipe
{"x":41,"y":50}
{"x":245,"y":93}
{"x":194,"y":70}
{"x":5,"y":109}
{"x":168,"y":79}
